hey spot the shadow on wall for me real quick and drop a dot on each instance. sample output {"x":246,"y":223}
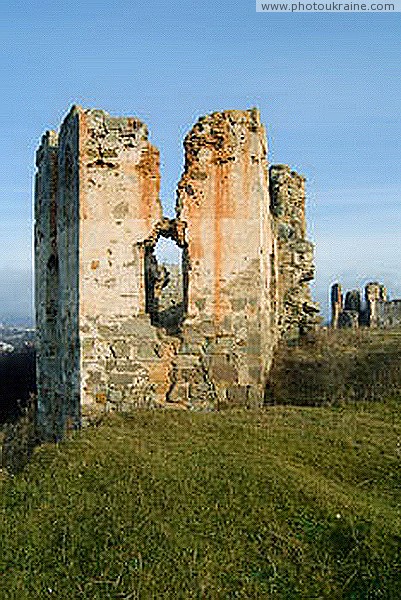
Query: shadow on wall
{"x":17,"y":383}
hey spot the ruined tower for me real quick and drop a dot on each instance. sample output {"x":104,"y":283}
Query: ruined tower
{"x":336,"y":304}
{"x":376,"y":312}
{"x":117,"y":329}
{"x":375,"y":294}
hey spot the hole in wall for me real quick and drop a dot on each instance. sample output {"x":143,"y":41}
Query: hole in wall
{"x":166,"y":283}
{"x":168,"y":252}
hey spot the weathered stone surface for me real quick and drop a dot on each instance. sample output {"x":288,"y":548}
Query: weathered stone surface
{"x":47,"y":281}
{"x":292,"y":258}
{"x":118,"y":329}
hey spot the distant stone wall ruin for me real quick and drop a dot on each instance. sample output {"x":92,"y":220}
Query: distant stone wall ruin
{"x":116,"y":329}
{"x":374,"y":311}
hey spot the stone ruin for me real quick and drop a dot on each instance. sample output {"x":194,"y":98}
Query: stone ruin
{"x":377,"y":311}
{"x":117,"y":329}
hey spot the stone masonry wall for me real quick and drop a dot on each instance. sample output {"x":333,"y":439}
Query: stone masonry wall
{"x":123,"y":330}
{"x":68,"y":223}
{"x":223,"y":201}
{"x":389,"y":314}
{"x":46,"y":283}
{"x":292,"y":260}
{"x":121,"y":357}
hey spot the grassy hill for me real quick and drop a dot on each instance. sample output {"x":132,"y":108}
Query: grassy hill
{"x":288,"y":502}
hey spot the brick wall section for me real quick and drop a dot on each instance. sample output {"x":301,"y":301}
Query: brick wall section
{"x":68,"y":224}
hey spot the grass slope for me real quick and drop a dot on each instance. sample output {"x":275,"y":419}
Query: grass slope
{"x":283,"y":503}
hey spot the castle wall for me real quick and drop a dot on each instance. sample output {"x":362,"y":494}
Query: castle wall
{"x":375,"y":293}
{"x":223,"y":200}
{"x":336,"y":298}
{"x":121,"y":329}
{"x":295,"y":312}
{"x":68,"y":223}
{"x":389,"y":314}
{"x":46,"y":278}
{"x":376,"y":312}
{"x":121,"y":356}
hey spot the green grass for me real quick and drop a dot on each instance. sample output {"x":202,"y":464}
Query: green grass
{"x":288,"y":502}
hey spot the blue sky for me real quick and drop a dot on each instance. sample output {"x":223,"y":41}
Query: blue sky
{"x":328,"y":87}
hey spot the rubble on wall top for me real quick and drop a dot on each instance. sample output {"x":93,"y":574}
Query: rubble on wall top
{"x":277,"y":168}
